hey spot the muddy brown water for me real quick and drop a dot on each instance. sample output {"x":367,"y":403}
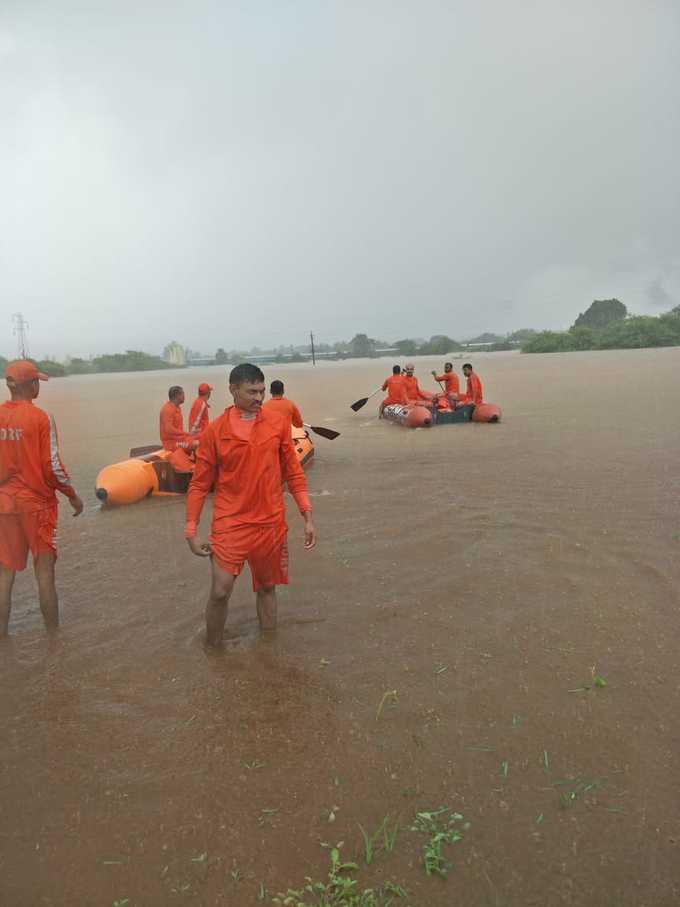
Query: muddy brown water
{"x":481,"y":571}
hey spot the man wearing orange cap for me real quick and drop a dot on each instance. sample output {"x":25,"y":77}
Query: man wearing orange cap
{"x":31,"y":471}
{"x":172,"y":431}
{"x":246,"y":454}
{"x":198,"y":415}
{"x":282,"y":405}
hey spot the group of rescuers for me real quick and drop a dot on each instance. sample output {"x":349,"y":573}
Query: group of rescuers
{"x":245,"y":456}
{"x":403,"y":389}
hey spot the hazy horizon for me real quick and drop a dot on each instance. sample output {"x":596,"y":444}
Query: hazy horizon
{"x":238,"y":176}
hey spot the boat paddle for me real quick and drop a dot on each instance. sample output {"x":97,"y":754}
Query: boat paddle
{"x":324,"y":432}
{"x":364,"y":400}
{"x":144,"y":451}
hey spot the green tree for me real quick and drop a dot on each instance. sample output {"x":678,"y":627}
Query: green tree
{"x":487,"y":337}
{"x":130,"y":361}
{"x":583,"y":338}
{"x":361,"y":346}
{"x":79,"y":367}
{"x":439,"y":345}
{"x":600,"y":313}
{"x":641,"y":331}
{"x":549,"y":342}
{"x":53,"y":369}
{"x":221,"y":357}
{"x":522,"y":335}
{"x":406,"y":347}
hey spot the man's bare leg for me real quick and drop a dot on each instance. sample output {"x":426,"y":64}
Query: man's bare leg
{"x":47,"y":590}
{"x":6,"y":583}
{"x":221,"y":588}
{"x":266,"y":607}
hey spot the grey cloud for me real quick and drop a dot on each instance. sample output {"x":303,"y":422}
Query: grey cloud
{"x":241,"y":174}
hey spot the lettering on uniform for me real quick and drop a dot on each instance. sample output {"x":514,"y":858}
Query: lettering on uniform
{"x":11,"y":434}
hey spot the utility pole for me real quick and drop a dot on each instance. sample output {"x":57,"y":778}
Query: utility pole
{"x":20,"y":327}
{"x":311,"y":337}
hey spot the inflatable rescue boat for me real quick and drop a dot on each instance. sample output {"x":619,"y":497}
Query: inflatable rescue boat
{"x":418,"y":416}
{"x":152,"y":473}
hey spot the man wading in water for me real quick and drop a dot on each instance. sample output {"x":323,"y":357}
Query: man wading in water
{"x":247,"y":454}
{"x":30,"y":472}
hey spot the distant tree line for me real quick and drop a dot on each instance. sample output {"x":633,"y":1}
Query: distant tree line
{"x":130,"y":361}
{"x":606,"y":325}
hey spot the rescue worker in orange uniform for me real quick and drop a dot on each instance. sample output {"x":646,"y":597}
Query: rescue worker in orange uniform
{"x":473,"y":392}
{"x":450,"y":382}
{"x":247,"y":454}
{"x":414,"y":392}
{"x":281,"y":405}
{"x":172,"y":424}
{"x":199,"y":416}
{"x":396,"y":390}
{"x":31,"y":471}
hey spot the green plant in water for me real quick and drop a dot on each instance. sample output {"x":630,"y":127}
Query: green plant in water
{"x":383,"y":836}
{"x":442,"y":826}
{"x":340,"y":890}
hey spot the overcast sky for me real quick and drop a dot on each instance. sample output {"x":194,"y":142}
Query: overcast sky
{"x":230,"y":174}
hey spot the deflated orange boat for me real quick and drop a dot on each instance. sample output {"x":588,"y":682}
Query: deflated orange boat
{"x":154,"y":471}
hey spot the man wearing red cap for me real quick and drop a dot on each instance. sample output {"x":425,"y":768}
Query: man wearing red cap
{"x":31,"y":471}
{"x":198,"y":416}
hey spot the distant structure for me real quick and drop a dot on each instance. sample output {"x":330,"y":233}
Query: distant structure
{"x":175,"y":354}
{"x":19,"y":328}
{"x":193,"y":357}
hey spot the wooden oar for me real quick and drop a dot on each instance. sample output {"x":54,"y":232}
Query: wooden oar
{"x":364,"y":400}
{"x":144,"y":451}
{"x":324,"y":432}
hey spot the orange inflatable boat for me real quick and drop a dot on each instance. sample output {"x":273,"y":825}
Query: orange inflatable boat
{"x":152,"y":473}
{"x":414,"y":416}
{"x":411,"y":415}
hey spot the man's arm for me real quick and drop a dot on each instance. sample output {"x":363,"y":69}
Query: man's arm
{"x":476,"y":390}
{"x":54,"y":471}
{"x":292,"y":474}
{"x":297,"y":417}
{"x":204,"y":477}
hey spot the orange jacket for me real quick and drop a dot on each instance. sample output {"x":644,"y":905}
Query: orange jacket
{"x":286,"y":408}
{"x":248,"y":475}
{"x":172,"y":427}
{"x":450,"y":382}
{"x":474,"y":389}
{"x":396,"y":390}
{"x":31,"y":469}
{"x":199,"y":416}
{"x":413,"y":391}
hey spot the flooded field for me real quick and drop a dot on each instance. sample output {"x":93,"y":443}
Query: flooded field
{"x":481,"y":575}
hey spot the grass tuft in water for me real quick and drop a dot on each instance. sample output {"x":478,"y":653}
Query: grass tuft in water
{"x":340,"y":889}
{"x":442,"y":826}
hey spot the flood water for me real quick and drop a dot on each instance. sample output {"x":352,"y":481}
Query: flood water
{"x":483,"y":572}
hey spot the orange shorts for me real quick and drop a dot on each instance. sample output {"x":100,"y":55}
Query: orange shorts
{"x":24,"y":532}
{"x":264,"y":547}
